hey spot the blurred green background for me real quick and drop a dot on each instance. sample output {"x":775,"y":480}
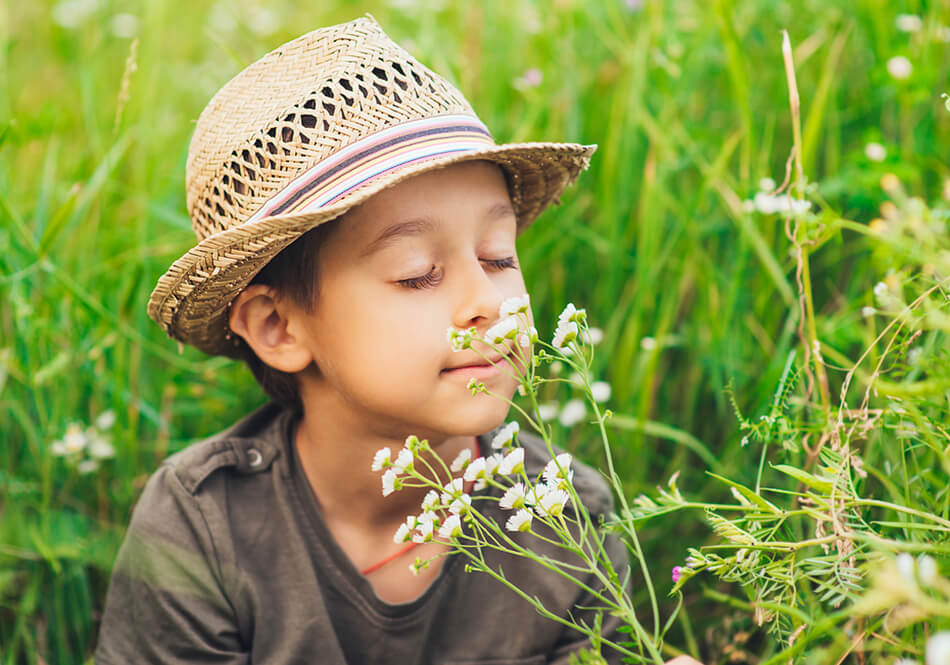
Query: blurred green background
{"x":661,"y":240}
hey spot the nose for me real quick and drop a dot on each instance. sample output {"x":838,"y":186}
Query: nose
{"x":480,"y":298}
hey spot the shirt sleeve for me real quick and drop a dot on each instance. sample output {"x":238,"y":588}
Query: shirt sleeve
{"x":571,"y":640}
{"x":167,"y":601}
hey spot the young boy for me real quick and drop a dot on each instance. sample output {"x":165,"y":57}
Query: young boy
{"x":392,"y":216}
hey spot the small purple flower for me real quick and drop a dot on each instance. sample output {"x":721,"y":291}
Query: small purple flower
{"x":677,"y":573}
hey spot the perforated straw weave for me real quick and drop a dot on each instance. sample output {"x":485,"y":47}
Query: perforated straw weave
{"x":304,"y":134}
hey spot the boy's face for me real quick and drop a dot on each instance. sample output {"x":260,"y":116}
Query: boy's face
{"x":435,"y":251}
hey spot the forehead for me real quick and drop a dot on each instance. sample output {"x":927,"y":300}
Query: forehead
{"x":462,"y":198}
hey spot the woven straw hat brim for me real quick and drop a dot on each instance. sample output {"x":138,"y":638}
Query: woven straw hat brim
{"x":192,"y":299}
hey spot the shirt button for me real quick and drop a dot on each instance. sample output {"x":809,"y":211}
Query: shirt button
{"x":254,"y":457}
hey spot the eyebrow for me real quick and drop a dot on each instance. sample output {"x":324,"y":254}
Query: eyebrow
{"x":422,"y":225}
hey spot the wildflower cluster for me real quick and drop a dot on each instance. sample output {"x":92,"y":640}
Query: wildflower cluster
{"x":86,"y":448}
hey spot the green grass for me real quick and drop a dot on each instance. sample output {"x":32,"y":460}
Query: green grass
{"x":688,"y":103}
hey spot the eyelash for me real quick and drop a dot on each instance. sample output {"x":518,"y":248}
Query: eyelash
{"x":433,"y":277}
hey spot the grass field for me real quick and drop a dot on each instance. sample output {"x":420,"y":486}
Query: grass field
{"x":662,"y":241}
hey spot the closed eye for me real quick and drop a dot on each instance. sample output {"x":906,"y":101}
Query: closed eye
{"x":434,"y":276}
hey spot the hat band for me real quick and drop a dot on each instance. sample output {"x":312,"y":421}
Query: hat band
{"x":374,"y":156}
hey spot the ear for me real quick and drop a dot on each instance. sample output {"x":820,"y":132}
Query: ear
{"x":261,"y":320}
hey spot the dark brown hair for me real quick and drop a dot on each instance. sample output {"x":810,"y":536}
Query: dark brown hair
{"x":295,"y":274}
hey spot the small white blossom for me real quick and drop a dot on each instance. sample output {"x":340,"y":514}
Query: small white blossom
{"x":390,"y":482}
{"x":648,"y":343}
{"x":899,"y":67}
{"x":402,"y":535}
{"x":908,"y":23}
{"x":430,"y":501}
{"x":943,"y":33}
{"x":423,"y":532}
{"x":573,"y":412}
{"x":880,"y":289}
{"x":535,"y":494}
{"x":564,"y":334}
{"x":506,"y":435}
{"x":905,"y":566}
{"x":570,"y":314}
{"x":547,"y":411}
{"x":875,"y":152}
{"x":507,"y":328}
{"x":600,"y":390}
{"x":766,"y":185}
{"x":403,"y":461}
{"x":87,"y":466}
{"x":452,"y":490}
{"x":382,"y":459}
{"x":513,"y":462}
{"x":559,"y":469}
{"x":263,"y":21}
{"x":460,"y":339}
{"x":530,"y":79}
{"x":451,"y":528}
{"x":520,"y":521}
{"x":529,"y":338}
{"x":105,"y":420}
{"x":100,"y":448}
{"x":71,"y":13}
{"x":768,"y":204}
{"x":74,"y":441}
{"x":513,"y":497}
{"x":516,"y":305}
{"x":938,"y":649}
{"x":492,"y":465}
{"x":475,"y":470}
{"x":461,"y":506}
{"x":868,"y":312}
{"x":927,"y":569}
{"x":124,"y":25}
{"x":461,"y":460}
{"x":552,"y":503}
{"x":592,"y":336}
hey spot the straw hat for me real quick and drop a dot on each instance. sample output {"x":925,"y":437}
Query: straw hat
{"x":310,"y":130}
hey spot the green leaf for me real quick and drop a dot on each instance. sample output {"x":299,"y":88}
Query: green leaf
{"x":750,"y":495}
{"x":820,"y":484}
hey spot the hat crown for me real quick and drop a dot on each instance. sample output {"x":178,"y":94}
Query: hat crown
{"x":297,"y":106}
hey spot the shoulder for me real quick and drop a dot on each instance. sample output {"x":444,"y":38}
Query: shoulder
{"x":250,"y":446}
{"x":588,"y":482}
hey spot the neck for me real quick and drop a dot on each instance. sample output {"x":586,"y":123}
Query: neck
{"x":336,"y":458}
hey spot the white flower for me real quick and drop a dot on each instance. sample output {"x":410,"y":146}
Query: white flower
{"x":875,"y":151}
{"x":492,"y":464}
{"x":868,"y":312}
{"x":461,"y":460}
{"x":600,"y":390}
{"x":382,"y":459}
{"x":58,"y":448}
{"x":74,"y":440}
{"x":938,"y":649}
{"x":535,"y":494}
{"x":516,"y":305}
{"x":768,"y":204}
{"x":513,"y":462}
{"x":558,"y":469}
{"x":390,"y":482}
{"x":264,"y":21}
{"x":570,"y":314}
{"x":423,"y":532}
{"x":430,"y":501}
{"x":564,"y":334}
{"x":573,"y":412}
{"x":475,"y":470}
{"x":124,"y":26}
{"x":403,"y":461}
{"x":927,"y":569}
{"x":427,"y":516}
{"x":899,"y":67}
{"x":880,"y":289}
{"x":908,"y":23}
{"x":507,"y":328}
{"x":552,"y":503}
{"x":530,"y":79}
{"x":451,"y":528}
{"x":460,"y":339}
{"x":105,"y":420}
{"x":513,"y":498}
{"x":529,"y":338}
{"x":461,"y":506}
{"x":547,"y":411}
{"x":506,"y":435}
{"x":520,"y":521}
{"x":71,"y":13}
{"x":452,"y":490}
{"x":87,"y":466}
{"x":647,"y":343}
{"x":766,"y":184}
{"x":943,"y":33}
{"x":402,"y":535}
{"x":905,"y":566}
{"x":100,"y":448}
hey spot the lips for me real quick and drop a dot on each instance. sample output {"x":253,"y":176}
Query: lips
{"x":477,"y":363}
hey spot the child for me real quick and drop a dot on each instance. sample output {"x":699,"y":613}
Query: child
{"x":392,"y":216}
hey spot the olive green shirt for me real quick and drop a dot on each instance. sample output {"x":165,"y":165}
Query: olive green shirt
{"x":228,"y":560}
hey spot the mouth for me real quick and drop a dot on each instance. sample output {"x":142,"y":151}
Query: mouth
{"x":479,"y":365}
